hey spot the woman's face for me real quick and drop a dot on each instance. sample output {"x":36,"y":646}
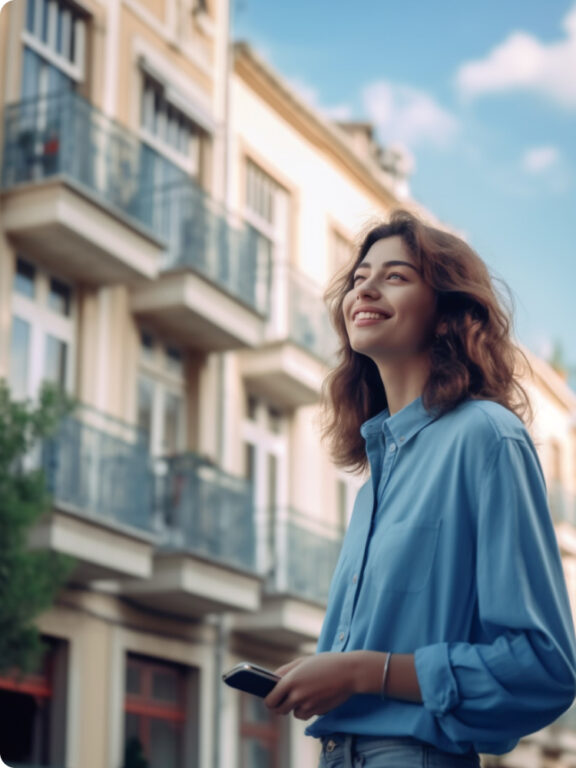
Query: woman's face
{"x":390,"y":313}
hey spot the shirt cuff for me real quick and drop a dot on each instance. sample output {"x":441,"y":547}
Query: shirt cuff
{"x":436,"y":679}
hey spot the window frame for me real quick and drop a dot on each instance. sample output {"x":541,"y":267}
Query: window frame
{"x":148,"y":708}
{"x":44,"y":322}
{"x":192,"y":162}
{"x":74,"y":68}
{"x":155,"y":368}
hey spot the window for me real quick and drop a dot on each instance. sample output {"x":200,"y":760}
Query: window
{"x":33,"y":710}
{"x":267,"y":211}
{"x":161,"y":400}
{"x":54,"y":52}
{"x":155,"y":714}
{"x":42,"y":337}
{"x":341,"y":250}
{"x":169,"y":129}
{"x":260,"y":734}
{"x":266,"y":467}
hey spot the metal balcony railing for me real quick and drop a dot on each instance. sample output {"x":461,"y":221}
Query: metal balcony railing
{"x":207,"y":511}
{"x":298,"y":313}
{"x":100,"y":468}
{"x":62,"y":134}
{"x":302,"y":555}
{"x":308,"y":322}
{"x":201,"y":238}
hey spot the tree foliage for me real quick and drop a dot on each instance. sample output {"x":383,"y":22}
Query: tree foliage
{"x":29,"y":579}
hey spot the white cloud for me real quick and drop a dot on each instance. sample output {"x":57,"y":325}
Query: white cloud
{"x":408,"y":115}
{"x":537,"y":160}
{"x":522,"y":62}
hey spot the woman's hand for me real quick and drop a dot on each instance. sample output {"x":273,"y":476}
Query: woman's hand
{"x":313,"y":685}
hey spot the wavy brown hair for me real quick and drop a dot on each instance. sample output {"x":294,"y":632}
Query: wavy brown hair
{"x":472,"y":355}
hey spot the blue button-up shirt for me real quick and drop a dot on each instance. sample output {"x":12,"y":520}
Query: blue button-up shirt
{"x":451,"y":555}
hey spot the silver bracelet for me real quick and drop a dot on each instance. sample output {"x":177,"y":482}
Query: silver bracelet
{"x":385,"y":675}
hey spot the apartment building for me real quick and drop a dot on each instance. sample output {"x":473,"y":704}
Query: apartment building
{"x":169,"y":214}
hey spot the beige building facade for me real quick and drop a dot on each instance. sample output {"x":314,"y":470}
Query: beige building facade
{"x":170,"y":212}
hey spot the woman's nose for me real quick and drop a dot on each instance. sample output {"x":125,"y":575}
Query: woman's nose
{"x":366,"y":288}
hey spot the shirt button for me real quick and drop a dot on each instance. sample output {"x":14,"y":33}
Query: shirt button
{"x":341,"y":636}
{"x":392,"y":447}
{"x":402,"y":439}
{"x":354,"y":578}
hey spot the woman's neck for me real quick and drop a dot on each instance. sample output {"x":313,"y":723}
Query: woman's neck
{"x":403,"y":383}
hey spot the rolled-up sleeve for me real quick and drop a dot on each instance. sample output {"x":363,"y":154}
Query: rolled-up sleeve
{"x":521,"y":675}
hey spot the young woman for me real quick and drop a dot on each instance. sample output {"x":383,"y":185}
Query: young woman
{"x":448,"y":629}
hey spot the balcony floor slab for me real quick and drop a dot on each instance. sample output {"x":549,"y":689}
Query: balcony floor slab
{"x":283,"y":373}
{"x":101,"y":551}
{"x":197,"y":312}
{"x":75,"y":236}
{"x":283,"y":620}
{"x":191,"y":586}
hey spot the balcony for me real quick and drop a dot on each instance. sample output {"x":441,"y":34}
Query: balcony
{"x":74,"y":191}
{"x":98,"y":475}
{"x":289,"y":367}
{"x":206,"y":562}
{"x":299,"y":556}
{"x":213,"y":292}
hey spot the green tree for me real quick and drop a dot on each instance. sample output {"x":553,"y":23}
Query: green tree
{"x":29,"y":580}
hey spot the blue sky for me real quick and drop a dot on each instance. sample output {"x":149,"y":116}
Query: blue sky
{"x":484,"y":97}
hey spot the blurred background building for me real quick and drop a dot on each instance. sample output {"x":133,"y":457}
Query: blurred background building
{"x":170,"y":212}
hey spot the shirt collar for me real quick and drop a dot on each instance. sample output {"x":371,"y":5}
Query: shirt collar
{"x":402,"y":426}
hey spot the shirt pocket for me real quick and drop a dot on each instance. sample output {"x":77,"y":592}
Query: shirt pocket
{"x":404,"y":556}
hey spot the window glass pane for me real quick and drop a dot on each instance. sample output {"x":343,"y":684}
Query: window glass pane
{"x":250,"y":462}
{"x":165,"y":685}
{"x":25,"y":728}
{"x":260,"y":192}
{"x":19,"y":358}
{"x":165,"y":744}
{"x":30,"y":15}
{"x":251,"y":407}
{"x":24,"y":278}
{"x":174,"y":360}
{"x":274,"y":421}
{"x":57,"y":80}
{"x":173,"y":417}
{"x":272,"y":480}
{"x":145,"y":397}
{"x":31,"y":80}
{"x":59,"y":298}
{"x":55,"y":361}
{"x":134,"y":751}
{"x":45,"y":19}
{"x":146,"y":345}
{"x":133,"y":679}
{"x":164,"y":120}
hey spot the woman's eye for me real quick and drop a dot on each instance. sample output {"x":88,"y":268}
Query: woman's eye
{"x":396,"y":276}
{"x":356,"y":279}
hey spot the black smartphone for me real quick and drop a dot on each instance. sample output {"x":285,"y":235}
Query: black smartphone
{"x":251,"y":678}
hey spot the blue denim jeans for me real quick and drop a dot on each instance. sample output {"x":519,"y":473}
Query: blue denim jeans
{"x":340,"y":751}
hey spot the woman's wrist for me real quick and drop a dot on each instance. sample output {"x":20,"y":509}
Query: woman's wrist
{"x":367,"y":672}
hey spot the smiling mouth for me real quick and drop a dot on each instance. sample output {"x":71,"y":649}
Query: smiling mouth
{"x":370,"y":316}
